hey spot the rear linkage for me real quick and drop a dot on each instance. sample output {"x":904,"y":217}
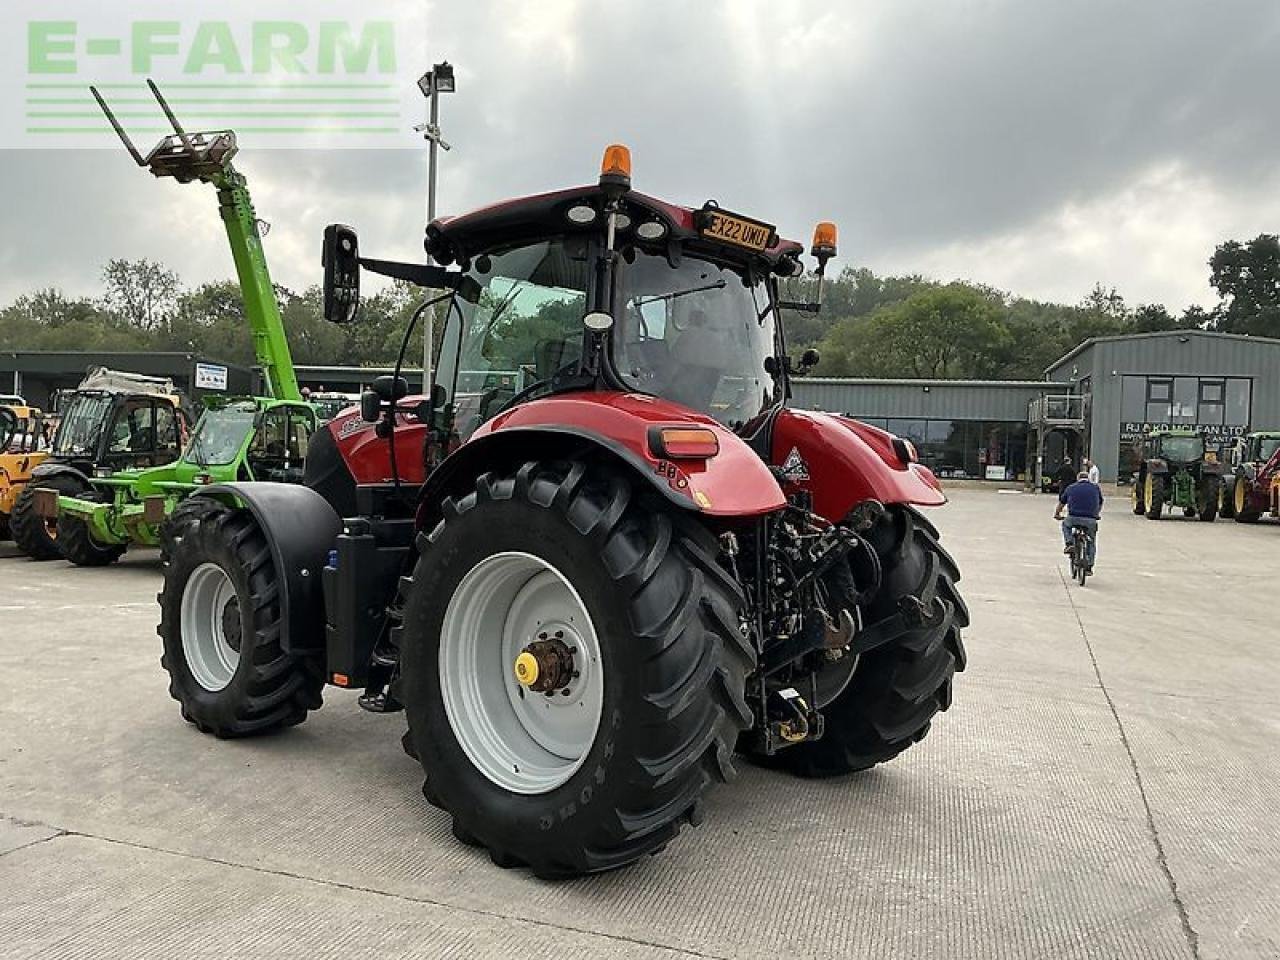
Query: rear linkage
{"x":815,"y":579}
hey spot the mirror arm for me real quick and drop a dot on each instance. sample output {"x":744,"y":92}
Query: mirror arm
{"x":420,"y":274}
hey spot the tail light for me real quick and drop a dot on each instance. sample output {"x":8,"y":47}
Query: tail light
{"x":683,"y":443}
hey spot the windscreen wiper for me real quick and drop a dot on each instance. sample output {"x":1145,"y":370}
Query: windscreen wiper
{"x":718,"y":285}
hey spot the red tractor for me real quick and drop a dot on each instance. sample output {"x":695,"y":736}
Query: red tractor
{"x":601,"y":557}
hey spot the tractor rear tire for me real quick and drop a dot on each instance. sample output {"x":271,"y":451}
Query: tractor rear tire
{"x":1207,"y":511}
{"x":220,"y":624}
{"x":4,"y":526}
{"x":1240,"y":495}
{"x":184,"y":515}
{"x":1155,"y":503}
{"x":896,"y":689}
{"x":1227,"y":498}
{"x":34,"y":535}
{"x":1139,"y":504}
{"x":669,"y":653}
{"x":79,"y":546}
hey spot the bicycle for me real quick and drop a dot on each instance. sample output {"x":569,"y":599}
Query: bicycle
{"x":1080,"y":569}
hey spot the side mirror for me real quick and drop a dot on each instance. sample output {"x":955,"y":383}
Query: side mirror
{"x":389,"y":389}
{"x":340,"y":258}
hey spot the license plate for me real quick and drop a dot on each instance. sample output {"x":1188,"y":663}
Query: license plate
{"x":739,"y":231}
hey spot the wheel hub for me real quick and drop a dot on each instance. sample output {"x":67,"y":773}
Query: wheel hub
{"x":515,"y":628}
{"x":546,"y":664}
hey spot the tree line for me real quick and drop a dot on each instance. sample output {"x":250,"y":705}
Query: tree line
{"x":870,"y":325}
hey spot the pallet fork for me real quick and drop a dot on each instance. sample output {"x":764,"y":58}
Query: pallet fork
{"x":206,"y":157}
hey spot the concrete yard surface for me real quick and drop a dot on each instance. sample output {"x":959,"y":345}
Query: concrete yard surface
{"x":1106,"y":785}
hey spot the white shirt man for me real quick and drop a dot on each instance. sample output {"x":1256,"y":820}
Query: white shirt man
{"x":1092,"y":468}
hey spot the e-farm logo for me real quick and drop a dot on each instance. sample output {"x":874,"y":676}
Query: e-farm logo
{"x":276,"y":80}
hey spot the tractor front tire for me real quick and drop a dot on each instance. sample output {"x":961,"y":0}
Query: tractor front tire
{"x":184,"y":516}
{"x":649,"y":632}
{"x":1155,"y":497}
{"x":1240,"y":495}
{"x":220,"y":625}
{"x":80,"y":547}
{"x":896,"y":689}
{"x":1139,"y":502}
{"x":35,"y":536}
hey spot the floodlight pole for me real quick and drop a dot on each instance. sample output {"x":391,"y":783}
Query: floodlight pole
{"x":431,"y":88}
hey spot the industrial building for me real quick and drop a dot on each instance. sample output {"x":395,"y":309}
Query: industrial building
{"x":1096,"y":401}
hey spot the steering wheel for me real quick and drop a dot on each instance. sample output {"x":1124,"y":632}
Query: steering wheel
{"x":8,"y":427}
{"x":534,"y":387}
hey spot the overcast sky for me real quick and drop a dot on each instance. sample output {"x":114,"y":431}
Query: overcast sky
{"x":1036,"y":146}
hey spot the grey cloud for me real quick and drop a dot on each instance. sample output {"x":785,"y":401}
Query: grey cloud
{"x":932,"y":132}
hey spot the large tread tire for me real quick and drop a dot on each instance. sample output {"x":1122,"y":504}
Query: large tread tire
{"x":184,"y":516}
{"x":80,"y":547}
{"x":1207,"y":511}
{"x":1155,"y":507}
{"x":675,"y":662}
{"x":34,"y":537}
{"x":898,"y":688}
{"x":1226,"y":498}
{"x":4,"y":526}
{"x":1244,"y":515}
{"x":1139,"y":489}
{"x":270,"y":688}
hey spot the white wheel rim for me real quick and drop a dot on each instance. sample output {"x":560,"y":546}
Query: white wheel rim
{"x":523,"y":741}
{"x":210,"y":655}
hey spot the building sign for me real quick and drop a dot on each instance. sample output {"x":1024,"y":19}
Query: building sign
{"x":1214,"y":433}
{"x":211,"y":376}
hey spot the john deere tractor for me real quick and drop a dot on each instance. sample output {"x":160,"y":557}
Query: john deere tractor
{"x":603,"y":554}
{"x":1176,"y":470}
{"x":248,"y":438}
{"x":114,"y":421}
{"x":1246,"y":490}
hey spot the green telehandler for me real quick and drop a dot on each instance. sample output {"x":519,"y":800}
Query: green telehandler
{"x":236,"y":438}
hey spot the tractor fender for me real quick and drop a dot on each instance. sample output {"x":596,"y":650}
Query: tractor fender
{"x":842,"y":462}
{"x":58,"y":469}
{"x":301,"y":528}
{"x":734,"y":482}
{"x":1158,"y":467}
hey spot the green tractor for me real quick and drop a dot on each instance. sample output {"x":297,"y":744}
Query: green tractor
{"x":250,"y":438}
{"x":1176,"y":469}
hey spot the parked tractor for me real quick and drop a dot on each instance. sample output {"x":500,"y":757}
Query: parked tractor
{"x":1176,"y":469}
{"x":600,"y":557}
{"x":114,"y":421}
{"x":1246,"y":493}
{"x":246,"y":438}
{"x":22,"y":449}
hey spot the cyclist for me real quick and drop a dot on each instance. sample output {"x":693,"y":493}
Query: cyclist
{"x":1083,"y":502}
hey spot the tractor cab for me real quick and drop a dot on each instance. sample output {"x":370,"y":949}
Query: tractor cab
{"x":268,"y":440}
{"x":110,"y":431}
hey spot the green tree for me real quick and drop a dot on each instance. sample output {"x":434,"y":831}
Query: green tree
{"x":141,"y":291}
{"x":1247,"y":277}
{"x":945,"y":332}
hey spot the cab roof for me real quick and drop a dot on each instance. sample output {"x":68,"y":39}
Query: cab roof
{"x":510,"y":222}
